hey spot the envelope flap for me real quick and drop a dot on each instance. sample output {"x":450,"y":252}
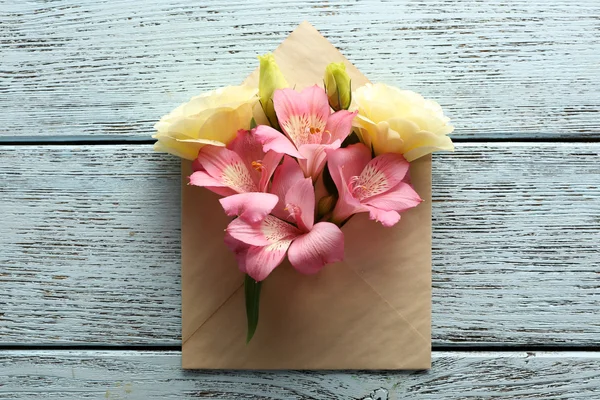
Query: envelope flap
{"x":303,"y":56}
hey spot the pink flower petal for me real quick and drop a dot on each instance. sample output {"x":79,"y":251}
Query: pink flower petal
{"x":400,"y":198}
{"x":266,"y":232}
{"x":261,"y":261}
{"x":285,"y":176}
{"x":300,"y":202}
{"x":347,"y":204}
{"x":315,"y":158}
{"x":196,"y":166}
{"x":269,"y":162}
{"x":324,"y":244}
{"x":380,"y":175}
{"x":248,"y":233}
{"x":239,"y":249}
{"x":344,"y":164}
{"x":201,"y":178}
{"x":247,"y":146}
{"x":387,"y":218}
{"x":228,"y":168}
{"x":251,"y":207}
{"x":292,"y":113}
{"x":259,"y":164}
{"x":272,"y":139}
{"x":318,"y":108}
{"x":350,"y":161}
{"x":339,"y":126}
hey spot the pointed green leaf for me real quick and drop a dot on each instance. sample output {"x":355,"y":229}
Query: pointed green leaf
{"x":252,"y":291}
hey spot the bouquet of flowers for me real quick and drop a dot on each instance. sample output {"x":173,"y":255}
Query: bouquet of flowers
{"x":293,"y":166}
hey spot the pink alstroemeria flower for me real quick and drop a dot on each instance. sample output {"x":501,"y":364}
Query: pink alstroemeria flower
{"x":241,"y":172}
{"x":261,"y":246}
{"x":306,"y":119}
{"x":375,"y":185}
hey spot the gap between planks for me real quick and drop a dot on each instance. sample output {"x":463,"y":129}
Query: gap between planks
{"x":158,"y":347}
{"x":141,"y":140}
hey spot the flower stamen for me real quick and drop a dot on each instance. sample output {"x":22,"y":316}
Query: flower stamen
{"x":294,"y":211}
{"x":257,"y":165}
{"x":357,"y":188}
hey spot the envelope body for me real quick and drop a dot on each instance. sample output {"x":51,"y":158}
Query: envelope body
{"x":371,"y":311}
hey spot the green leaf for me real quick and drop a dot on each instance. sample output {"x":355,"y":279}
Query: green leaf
{"x":252,"y":291}
{"x":252,"y":123}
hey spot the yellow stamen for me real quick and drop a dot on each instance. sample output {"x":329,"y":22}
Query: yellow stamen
{"x":257,"y":165}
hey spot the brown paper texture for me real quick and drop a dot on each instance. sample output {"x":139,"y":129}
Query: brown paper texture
{"x":371,"y":311}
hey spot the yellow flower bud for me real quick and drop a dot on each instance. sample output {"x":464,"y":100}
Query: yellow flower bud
{"x":270,"y":79}
{"x":337,"y":85}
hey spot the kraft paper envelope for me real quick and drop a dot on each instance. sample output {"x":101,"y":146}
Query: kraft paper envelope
{"x":371,"y":311}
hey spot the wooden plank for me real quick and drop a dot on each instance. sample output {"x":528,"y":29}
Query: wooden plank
{"x":519,"y":68}
{"x":90,"y":245}
{"x":158,"y":375}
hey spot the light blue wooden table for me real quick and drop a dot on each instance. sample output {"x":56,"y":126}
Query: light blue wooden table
{"x":89,"y":215}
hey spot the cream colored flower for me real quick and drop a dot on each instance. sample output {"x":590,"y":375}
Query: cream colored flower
{"x":210,"y":118}
{"x":391,"y":120}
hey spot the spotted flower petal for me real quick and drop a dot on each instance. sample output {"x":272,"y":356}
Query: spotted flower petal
{"x":377,"y":186}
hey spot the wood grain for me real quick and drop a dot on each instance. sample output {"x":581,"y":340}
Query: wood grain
{"x":158,"y":375}
{"x":519,"y":68}
{"x":90,"y":245}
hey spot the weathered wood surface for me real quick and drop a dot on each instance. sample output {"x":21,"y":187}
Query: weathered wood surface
{"x":158,"y":375}
{"x":90,"y":240}
{"x":520,"y":68}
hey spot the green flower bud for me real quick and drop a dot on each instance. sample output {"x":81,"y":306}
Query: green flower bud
{"x":270,"y":79}
{"x":337,"y":85}
{"x":325,"y":205}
